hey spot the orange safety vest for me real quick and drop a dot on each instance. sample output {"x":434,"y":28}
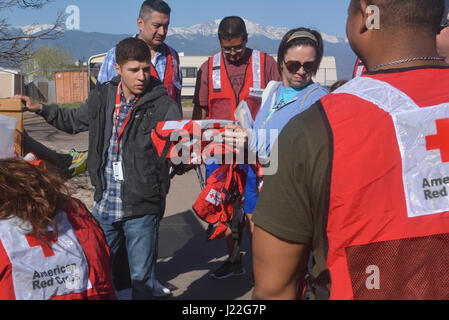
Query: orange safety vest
{"x":171,"y":78}
{"x":388,"y":219}
{"x":223,"y":100}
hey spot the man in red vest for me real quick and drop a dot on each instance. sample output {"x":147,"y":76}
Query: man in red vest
{"x":153,"y":21}
{"x":363,"y":176}
{"x":234,"y":74}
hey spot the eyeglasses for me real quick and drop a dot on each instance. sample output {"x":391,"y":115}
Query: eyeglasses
{"x":236,"y":49}
{"x":293,"y":66}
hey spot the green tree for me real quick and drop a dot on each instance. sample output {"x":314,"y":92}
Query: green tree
{"x":46,"y":60}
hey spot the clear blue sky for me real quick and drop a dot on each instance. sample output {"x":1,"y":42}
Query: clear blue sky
{"x":118,"y":17}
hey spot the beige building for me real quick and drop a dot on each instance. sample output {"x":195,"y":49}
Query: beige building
{"x":11,"y":83}
{"x":189,"y":68}
{"x":326,"y":75}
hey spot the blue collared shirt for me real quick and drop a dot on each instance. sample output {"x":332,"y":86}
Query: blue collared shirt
{"x":110,"y":206}
{"x":272,"y":120}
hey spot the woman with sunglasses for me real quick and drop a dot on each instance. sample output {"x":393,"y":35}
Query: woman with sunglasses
{"x":299,"y":57}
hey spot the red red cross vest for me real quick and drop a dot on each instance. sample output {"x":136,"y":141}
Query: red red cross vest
{"x":171,"y":78}
{"x":188,"y":142}
{"x":359,"y":68}
{"x":388,"y":220}
{"x":75,"y":265}
{"x":223,"y":101}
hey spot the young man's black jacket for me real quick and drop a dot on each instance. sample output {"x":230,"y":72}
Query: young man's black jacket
{"x":146,"y":177}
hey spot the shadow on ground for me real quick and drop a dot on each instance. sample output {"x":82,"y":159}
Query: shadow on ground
{"x":183,"y":249}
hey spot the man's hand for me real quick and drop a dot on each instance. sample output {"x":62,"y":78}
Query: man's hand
{"x":30,"y":105}
{"x":235,"y":136}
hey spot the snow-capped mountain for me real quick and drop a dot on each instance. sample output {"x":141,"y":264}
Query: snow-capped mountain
{"x":34,"y":28}
{"x":199,"y":39}
{"x":254,"y":29}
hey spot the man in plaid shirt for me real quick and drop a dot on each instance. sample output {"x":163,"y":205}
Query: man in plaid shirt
{"x":153,"y":22}
{"x":131,"y":182}
{"x":110,"y":207}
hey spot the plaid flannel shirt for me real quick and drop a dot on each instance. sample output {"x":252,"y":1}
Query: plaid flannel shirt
{"x":110,"y":206}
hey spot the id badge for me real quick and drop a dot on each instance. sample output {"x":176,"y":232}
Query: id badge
{"x":117,"y":170}
{"x":256,"y":93}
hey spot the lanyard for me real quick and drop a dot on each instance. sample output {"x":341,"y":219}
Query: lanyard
{"x":118,"y":104}
{"x":273,"y":109}
{"x":279,"y":106}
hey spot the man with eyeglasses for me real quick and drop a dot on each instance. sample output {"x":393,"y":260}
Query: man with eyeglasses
{"x":235,"y":74}
{"x":443,"y":35}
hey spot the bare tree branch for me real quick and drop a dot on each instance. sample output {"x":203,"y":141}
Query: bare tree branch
{"x":24,"y":4}
{"x":16,"y":45}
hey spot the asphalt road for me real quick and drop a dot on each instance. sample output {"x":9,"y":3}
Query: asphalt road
{"x":185,"y":257}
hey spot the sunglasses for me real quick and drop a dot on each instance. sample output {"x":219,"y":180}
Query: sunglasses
{"x":236,"y":49}
{"x":293,"y":66}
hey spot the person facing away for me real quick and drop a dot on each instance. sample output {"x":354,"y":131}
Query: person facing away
{"x":153,"y":22}
{"x":443,"y":34}
{"x":353,"y":184}
{"x":234,"y":74}
{"x":51,"y":248}
{"x":130,"y":182}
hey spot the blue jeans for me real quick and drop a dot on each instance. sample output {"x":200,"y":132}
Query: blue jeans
{"x":138,"y":238}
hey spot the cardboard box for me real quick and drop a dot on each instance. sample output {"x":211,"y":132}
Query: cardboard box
{"x":13,"y":108}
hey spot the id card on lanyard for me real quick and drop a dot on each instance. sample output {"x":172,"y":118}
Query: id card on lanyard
{"x":117,"y":165}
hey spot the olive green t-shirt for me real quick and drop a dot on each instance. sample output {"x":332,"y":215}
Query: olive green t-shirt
{"x":293,"y":203}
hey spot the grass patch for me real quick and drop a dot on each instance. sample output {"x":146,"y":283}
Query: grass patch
{"x":187,"y":103}
{"x":71,"y":105}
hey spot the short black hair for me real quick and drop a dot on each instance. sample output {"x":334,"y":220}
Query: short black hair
{"x":337,"y":84}
{"x":316,"y":43}
{"x":153,"y":5}
{"x":232,"y":27}
{"x":132,"y":49}
{"x":408,"y":14}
